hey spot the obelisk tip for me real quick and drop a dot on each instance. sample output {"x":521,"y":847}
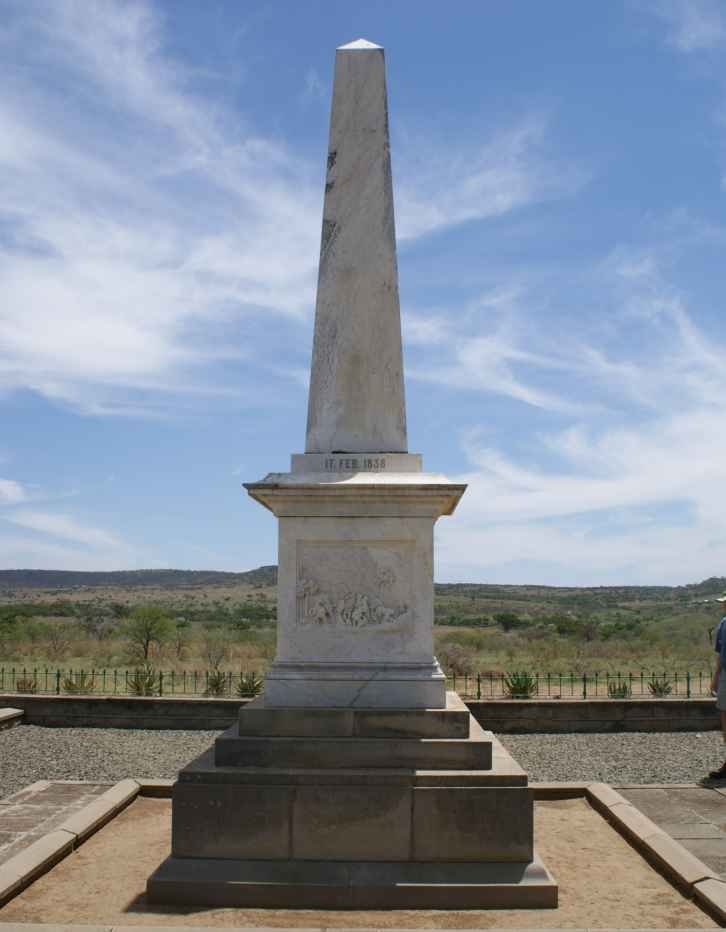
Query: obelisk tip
{"x":360,"y":45}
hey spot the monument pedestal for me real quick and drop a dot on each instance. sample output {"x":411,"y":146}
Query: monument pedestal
{"x":355,"y":593}
{"x":354,"y":809}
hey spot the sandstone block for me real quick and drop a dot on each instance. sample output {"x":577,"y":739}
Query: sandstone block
{"x":470,"y":824}
{"x":231,"y":821}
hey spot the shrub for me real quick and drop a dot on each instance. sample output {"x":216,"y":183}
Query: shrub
{"x":249,"y":686}
{"x":217,"y":684}
{"x":618,"y":690}
{"x":660,"y":688}
{"x":455,"y":660}
{"x":509,"y":620}
{"x":143,"y":682}
{"x":26,"y":684}
{"x":519,"y":684}
{"x":148,"y":625}
{"x":78,"y":684}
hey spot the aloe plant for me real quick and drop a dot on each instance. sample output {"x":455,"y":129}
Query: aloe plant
{"x":78,"y":684}
{"x":619,"y":690}
{"x":520,"y":684}
{"x":217,"y":684}
{"x":249,"y":686}
{"x":143,"y":682}
{"x":660,"y":688}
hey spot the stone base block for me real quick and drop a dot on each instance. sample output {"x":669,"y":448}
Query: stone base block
{"x":366,"y":814}
{"x":233,"y":749}
{"x":259,"y":719}
{"x":353,"y":884}
{"x":355,"y":685}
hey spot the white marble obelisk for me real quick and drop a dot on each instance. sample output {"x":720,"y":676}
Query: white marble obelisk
{"x":356,"y":401}
{"x":356,"y":513}
{"x":355,"y":782}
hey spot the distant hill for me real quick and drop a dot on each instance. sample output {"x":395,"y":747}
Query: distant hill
{"x":167,"y":579}
{"x":267,"y":576}
{"x":714,"y":585}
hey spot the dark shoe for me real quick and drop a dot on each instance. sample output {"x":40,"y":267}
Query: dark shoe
{"x":719,"y":774}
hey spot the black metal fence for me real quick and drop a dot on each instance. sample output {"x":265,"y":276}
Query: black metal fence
{"x":646,"y":684}
{"x":484,"y":685}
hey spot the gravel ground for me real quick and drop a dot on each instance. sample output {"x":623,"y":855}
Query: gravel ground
{"x":29,"y":753}
{"x":637,"y":757}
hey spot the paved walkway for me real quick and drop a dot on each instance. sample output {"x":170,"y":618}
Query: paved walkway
{"x":693,"y":814}
{"x":38,"y":809}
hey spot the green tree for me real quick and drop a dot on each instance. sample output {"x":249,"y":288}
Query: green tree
{"x":147,"y":625}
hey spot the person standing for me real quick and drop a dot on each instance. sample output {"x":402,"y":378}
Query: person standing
{"x":718,"y":686}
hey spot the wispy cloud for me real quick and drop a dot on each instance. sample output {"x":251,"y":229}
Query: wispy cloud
{"x":11,"y":492}
{"x":488,"y":346}
{"x":113,"y":279}
{"x":483,"y":178}
{"x":632,"y":495}
{"x":63,"y":526}
{"x":140,"y":223}
{"x":692,"y":25}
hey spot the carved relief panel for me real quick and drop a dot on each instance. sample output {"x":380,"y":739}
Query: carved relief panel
{"x":353,"y":585}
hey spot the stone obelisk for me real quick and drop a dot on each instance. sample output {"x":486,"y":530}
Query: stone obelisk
{"x":356,"y":512}
{"x":355,"y":781}
{"x":356,"y":402}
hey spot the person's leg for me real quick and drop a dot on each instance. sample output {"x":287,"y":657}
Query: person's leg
{"x":721,"y":773}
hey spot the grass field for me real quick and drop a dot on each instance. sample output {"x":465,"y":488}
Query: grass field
{"x":230,"y":626}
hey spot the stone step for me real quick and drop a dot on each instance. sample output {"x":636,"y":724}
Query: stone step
{"x":256,"y":719}
{"x":202,"y":770}
{"x":473,"y":753}
{"x":352,"y":884}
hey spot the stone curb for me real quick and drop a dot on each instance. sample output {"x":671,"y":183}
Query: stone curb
{"x":686,"y":871}
{"x":44,"y":853}
{"x":711,"y":894}
{"x":35,"y":860}
{"x":161,"y":789}
{"x":572,"y":790}
{"x":97,"y":813}
{"x":9,"y":718}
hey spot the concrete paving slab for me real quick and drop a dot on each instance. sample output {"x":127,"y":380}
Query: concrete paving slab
{"x":38,"y":809}
{"x":693,"y":814}
{"x":702,"y":829}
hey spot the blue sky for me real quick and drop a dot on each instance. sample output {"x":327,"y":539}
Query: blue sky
{"x":560,"y":184}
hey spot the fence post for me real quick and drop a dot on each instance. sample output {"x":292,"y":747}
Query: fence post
{"x":161,"y":682}
{"x":57,"y":682}
{"x":478,"y":686}
{"x":688,"y":684}
{"x":584,"y":685}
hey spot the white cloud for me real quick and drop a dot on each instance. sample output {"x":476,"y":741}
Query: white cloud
{"x":486,"y":346}
{"x":479,"y":180}
{"x":21,"y":551}
{"x":140,"y":220}
{"x":693,"y":25}
{"x":65,"y":527}
{"x":633,"y":495}
{"x":11,"y":492}
{"x":114,"y":280}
